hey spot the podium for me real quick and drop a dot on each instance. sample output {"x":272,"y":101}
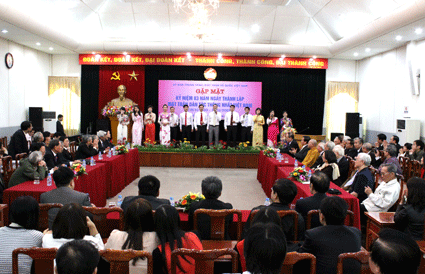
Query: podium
{"x":114,"y":127}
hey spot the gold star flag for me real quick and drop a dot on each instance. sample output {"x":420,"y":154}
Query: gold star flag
{"x":133,"y":75}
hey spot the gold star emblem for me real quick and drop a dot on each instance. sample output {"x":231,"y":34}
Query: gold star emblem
{"x":133,"y":75}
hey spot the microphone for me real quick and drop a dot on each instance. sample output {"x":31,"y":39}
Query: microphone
{"x":299,"y":132}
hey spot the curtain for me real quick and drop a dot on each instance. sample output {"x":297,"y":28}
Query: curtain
{"x":65,"y":98}
{"x":342,"y":97}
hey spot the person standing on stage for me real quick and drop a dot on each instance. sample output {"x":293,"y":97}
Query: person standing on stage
{"x":273,"y":130}
{"x":201,"y":120}
{"x":122,"y":125}
{"x":186,"y":123}
{"x":285,"y":123}
{"x":137,"y":118}
{"x":174,"y":124}
{"x":164,"y":121}
{"x":150,"y":119}
{"x":214,"y":118}
{"x":258,"y":119}
{"x":247,"y":125}
{"x":230,"y":125}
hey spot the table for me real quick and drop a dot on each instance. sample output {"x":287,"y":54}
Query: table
{"x":132,"y":165}
{"x":304,"y":191}
{"x":93,"y":183}
{"x":116,"y":166}
{"x":375,"y":222}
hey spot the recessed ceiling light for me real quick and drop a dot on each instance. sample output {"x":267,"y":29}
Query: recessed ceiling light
{"x":125,"y":53}
{"x":418,"y":31}
{"x":50,"y":48}
{"x":38,"y":44}
{"x":220,"y":56}
{"x":398,"y":37}
{"x":255,"y":28}
{"x":4,"y":31}
{"x":367,"y":50}
{"x":93,"y":53}
{"x":283,"y":56}
{"x":356,"y":54}
{"x":314,"y":56}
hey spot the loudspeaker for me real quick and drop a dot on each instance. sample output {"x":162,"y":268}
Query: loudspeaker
{"x":35,"y":115}
{"x":102,"y":124}
{"x":352,"y":122}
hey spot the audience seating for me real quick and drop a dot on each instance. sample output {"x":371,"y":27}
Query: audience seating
{"x":19,"y":157}
{"x":73,"y":148}
{"x":218,"y":221}
{"x":119,"y":259}
{"x":351,"y":165}
{"x":204,"y":259}
{"x":4,"y":141}
{"x":43,"y":220}
{"x":104,"y":225}
{"x":3,"y":214}
{"x":43,"y":259}
{"x":415,"y":169}
{"x":361,"y":256}
{"x":283,"y":213}
{"x":404,"y":164}
{"x":294,"y":257}
{"x":350,"y":216}
{"x":376,"y":175}
{"x":7,"y":169}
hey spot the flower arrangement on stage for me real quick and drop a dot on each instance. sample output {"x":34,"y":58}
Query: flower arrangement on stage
{"x":186,"y":145}
{"x":245,"y":146}
{"x":186,"y":201}
{"x":121,"y":149}
{"x":123,"y":142}
{"x":299,"y":174}
{"x":78,"y":169}
{"x":289,"y":129}
{"x":220,"y":146}
{"x":270,"y":152}
{"x":114,"y":110}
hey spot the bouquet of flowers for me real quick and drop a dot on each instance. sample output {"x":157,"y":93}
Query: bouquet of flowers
{"x":114,"y":110}
{"x":289,"y":129}
{"x":78,"y":169}
{"x":121,"y":149}
{"x":299,"y":174}
{"x":186,"y":144}
{"x":270,"y":152}
{"x":186,"y":201}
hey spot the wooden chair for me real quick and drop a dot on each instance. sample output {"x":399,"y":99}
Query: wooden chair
{"x":415,"y":168}
{"x":43,"y":259}
{"x":204,"y":259}
{"x":19,"y":157}
{"x":7,"y":169}
{"x":376,"y":175}
{"x":4,"y":141}
{"x":73,"y":148}
{"x":119,"y":259}
{"x":404,"y":164}
{"x":351,"y":166}
{"x":43,"y":220}
{"x":311,"y":213}
{"x":361,"y":256}
{"x":103,"y":225}
{"x":218,"y":222}
{"x":3,"y":213}
{"x":294,"y":257}
{"x":283,"y":213}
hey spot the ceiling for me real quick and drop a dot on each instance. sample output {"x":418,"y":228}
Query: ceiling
{"x":347,"y":29}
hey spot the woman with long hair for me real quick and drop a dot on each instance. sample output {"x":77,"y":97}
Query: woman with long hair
{"x":330,"y":167}
{"x":257,"y":136}
{"x":137,"y":130}
{"x":273,"y":130}
{"x":123,"y":122}
{"x":150,"y":119}
{"x":165,"y":129}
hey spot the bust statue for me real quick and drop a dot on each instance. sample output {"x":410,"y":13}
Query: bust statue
{"x":121,"y":101}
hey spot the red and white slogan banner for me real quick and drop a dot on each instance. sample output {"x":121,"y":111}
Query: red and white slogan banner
{"x":226,"y":61}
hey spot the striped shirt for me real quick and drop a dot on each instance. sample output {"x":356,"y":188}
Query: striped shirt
{"x":12,"y":238}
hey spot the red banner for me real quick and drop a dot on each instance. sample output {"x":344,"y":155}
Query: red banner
{"x":226,"y":61}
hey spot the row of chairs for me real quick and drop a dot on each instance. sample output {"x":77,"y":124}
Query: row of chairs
{"x":9,"y":166}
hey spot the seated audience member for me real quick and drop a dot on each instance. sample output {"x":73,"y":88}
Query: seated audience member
{"x":211,"y":189}
{"x":410,"y":214}
{"x":312,"y":154}
{"x":64,"y":192}
{"x":265,"y":249}
{"x":54,"y":157}
{"x":327,"y":242}
{"x":358,"y":144}
{"x":47,"y":138}
{"x":382,"y":138}
{"x":30,"y":169}
{"x":417,"y":151}
{"x":86,"y":149}
{"x":404,"y":151}
{"x":394,"y":252}
{"x":95,"y":144}
{"x":72,"y":223}
{"x":369,"y":150}
{"x":329,"y":145}
{"x":66,"y":152}
{"x":362,"y":178}
{"x":149,"y":190}
{"x":394,"y":140}
{"x":321,"y":150}
{"x":342,"y":163}
{"x":385,"y":195}
{"x":38,"y":147}
{"x":264,"y":216}
{"x":103,"y":144}
{"x":77,"y":257}
{"x":18,"y":143}
{"x":37,"y":137}
{"x":107,"y":140}
{"x":390,"y":157}
{"x":338,"y":140}
{"x":344,"y":142}
{"x":22,"y":232}
{"x":139,"y":233}
{"x":350,"y":150}
{"x":172,"y":237}
{"x":300,"y":155}
{"x":59,"y":127}
{"x":330,"y":167}
{"x":283,"y":194}
{"x":319,"y":185}
{"x":291,"y":144}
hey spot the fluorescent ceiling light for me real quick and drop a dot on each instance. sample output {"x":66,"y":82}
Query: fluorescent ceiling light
{"x":367,"y":50}
{"x":356,"y":54}
{"x":398,"y":37}
{"x":418,"y":31}
{"x":4,"y":31}
{"x":255,"y":28}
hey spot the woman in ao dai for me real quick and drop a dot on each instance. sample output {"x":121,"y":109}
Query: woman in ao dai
{"x":164,"y":121}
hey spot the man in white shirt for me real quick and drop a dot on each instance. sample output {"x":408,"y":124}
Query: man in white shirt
{"x":200,"y":122}
{"x":247,"y":126}
{"x":174,"y":124}
{"x":186,"y":123}
{"x":230,"y":125}
{"x":214,"y":118}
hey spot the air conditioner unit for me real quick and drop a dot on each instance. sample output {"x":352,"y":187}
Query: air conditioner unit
{"x":408,"y":130}
{"x":49,"y":121}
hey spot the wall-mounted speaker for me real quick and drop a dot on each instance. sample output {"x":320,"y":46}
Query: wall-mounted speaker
{"x":35,"y":115}
{"x":352,"y":123}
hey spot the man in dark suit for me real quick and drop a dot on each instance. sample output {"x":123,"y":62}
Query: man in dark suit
{"x":291,"y":144}
{"x":300,"y":155}
{"x":19,"y":143}
{"x":349,"y":149}
{"x":86,"y":149}
{"x":380,"y":142}
{"x":342,"y":162}
{"x":319,"y":185}
{"x":53,"y":156}
{"x":59,"y":126}
{"x":327,"y":242}
{"x":64,"y":193}
{"x":66,"y":153}
{"x":363,"y":177}
{"x":148,"y":190}
{"x":103,"y":144}
{"x":394,"y":140}
{"x":211,"y":189}
{"x":358,"y":143}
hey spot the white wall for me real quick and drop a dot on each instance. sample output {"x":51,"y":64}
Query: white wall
{"x":66,"y":65}
{"x":24,"y":85}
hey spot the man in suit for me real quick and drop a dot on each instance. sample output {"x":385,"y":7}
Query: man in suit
{"x":54,"y":155}
{"x":148,"y":190}
{"x":19,"y":143}
{"x":66,"y":153}
{"x":380,"y":142}
{"x":362,"y":178}
{"x":47,"y":137}
{"x":358,"y":143}
{"x":59,"y":126}
{"x":368,"y":149}
{"x":211,"y":189}
{"x":30,"y":169}
{"x":349,"y":149}
{"x":300,"y":155}
{"x":104,"y":146}
{"x":319,"y":185}
{"x":231,"y":120}
{"x":200,"y":122}
{"x":86,"y":149}
{"x":64,"y":193}
{"x":327,"y":242}
{"x":394,"y":140}
{"x":342,"y":162}
{"x":291,"y":144}
{"x":186,"y":123}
